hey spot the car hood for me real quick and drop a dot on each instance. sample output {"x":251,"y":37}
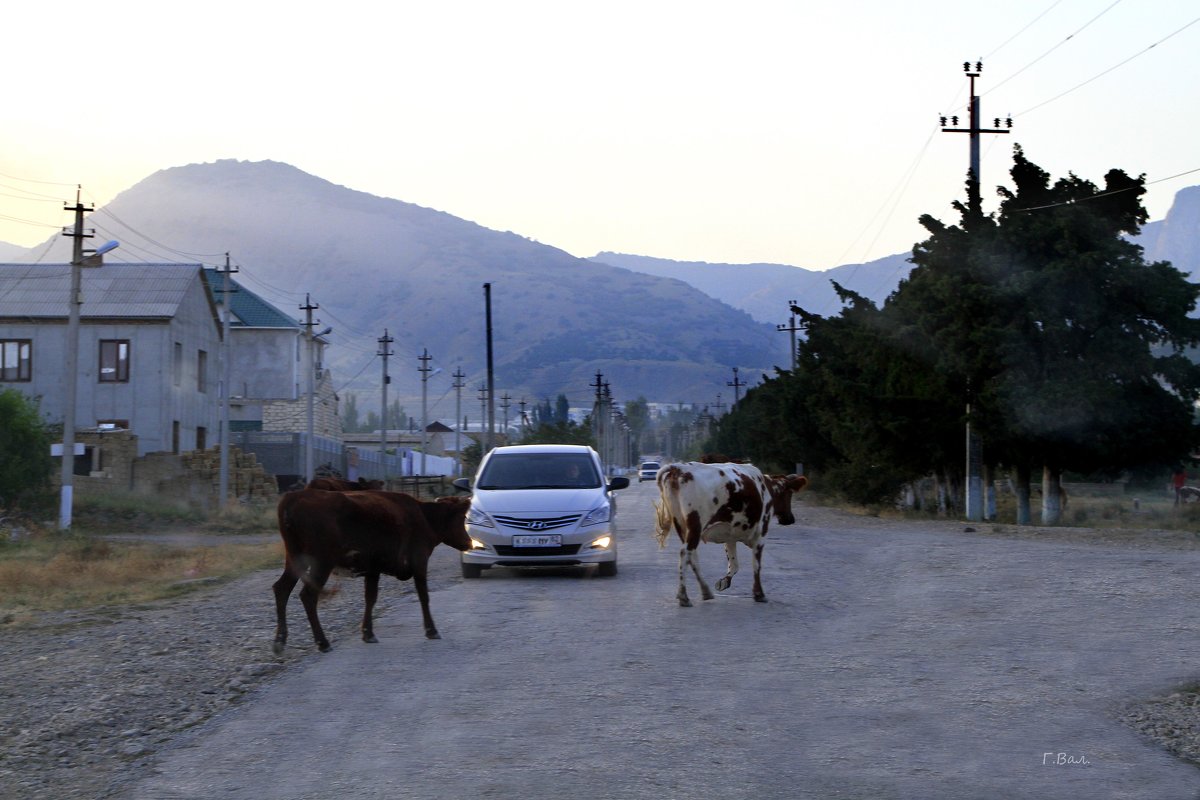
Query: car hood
{"x":537,"y":501}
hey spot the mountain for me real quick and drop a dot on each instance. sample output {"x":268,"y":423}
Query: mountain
{"x":765,"y":291}
{"x":372,"y":263}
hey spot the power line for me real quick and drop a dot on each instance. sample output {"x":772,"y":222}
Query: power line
{"x":1055,"y":47}
{"x":1110,"y":69}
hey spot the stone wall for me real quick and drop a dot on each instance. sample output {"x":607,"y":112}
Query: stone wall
{"x":292,"y":415}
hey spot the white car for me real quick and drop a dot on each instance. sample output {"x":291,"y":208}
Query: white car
{"x":648,"y":471}
{"x":541,"y":505}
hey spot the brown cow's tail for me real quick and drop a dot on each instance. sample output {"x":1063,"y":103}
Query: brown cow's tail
{"x":663,"y":520}
{"x":296,"y":561}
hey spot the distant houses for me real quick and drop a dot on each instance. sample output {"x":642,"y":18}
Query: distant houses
{"x":149,"y":356}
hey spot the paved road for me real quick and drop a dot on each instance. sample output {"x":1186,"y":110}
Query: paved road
{"x":894,"y":660}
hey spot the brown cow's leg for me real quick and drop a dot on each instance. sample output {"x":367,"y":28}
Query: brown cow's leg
{"x":431,"y":631}
{"x":283,"y":590}
{"x":759,"y":594}
{"x":370,"y":595}
{"x":309,"y":595}
{"x":731,"y":560}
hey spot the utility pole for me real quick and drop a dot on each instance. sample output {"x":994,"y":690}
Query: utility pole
{"x":524,"y":423}
{"x":505,"y":405}
{"x":226,"y":357}
{"x":491,"y":376}
{"x":974,"y":465}
{"x":719,"y":406}
{"x":792,"y":327}
{"x":598,"y":412}
{"x":483,"y":407}
{"x":458,"y":387}
{"x":71,"y":345}
{"x":737,"y":386}
{"x":308,"y":308}
{"x":384,"y":351}
{"x":424,"y":369}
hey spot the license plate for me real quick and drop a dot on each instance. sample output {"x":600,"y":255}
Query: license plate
{"x":538,"y":540}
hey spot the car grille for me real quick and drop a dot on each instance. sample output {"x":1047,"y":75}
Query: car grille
{"x":539,"y":524}
{"x":509,"y":550}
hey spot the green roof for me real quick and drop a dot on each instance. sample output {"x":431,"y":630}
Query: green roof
{"x":249,"y":310}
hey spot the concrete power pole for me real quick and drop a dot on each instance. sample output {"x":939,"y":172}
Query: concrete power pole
{"x":458,"y":387}
{"x":226,"y":357}
{"x":491,"y":376}
{"x":791,"y":327}
{"x":384,"y":351}
{"x":737,"y":386}
{"x":71,"y":345}
{"x":309,"y":307}
{"x":505,"y":405}
{"x":974,"y":458}
{"x":424,"y":369}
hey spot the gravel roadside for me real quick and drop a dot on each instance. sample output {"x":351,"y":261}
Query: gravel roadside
{"x":88,"y":697}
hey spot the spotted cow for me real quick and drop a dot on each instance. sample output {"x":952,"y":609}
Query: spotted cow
{"x":726,"y":503}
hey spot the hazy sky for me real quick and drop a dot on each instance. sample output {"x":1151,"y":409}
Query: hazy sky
{"x":798,"y":132}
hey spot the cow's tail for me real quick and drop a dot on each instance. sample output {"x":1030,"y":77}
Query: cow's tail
{"x":296,"y":561}
{"x":663,"y":521}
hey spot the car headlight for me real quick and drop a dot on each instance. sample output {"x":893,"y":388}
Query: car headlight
{"x":596,"y":516}
{"x":480,"y":518}
{"x":602,"y":543}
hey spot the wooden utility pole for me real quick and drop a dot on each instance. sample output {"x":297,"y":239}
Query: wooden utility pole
{"x":974,"y":458}
{"x":491,"y":376}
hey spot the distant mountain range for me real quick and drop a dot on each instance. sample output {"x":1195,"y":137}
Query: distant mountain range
{"x":670,"y":331}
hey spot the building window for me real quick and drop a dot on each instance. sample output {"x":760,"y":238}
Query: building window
{"x":201,"y":438}
{"x":177,"y":364}
{"x":175,"y":437}
{"x":202,"y":372}
{"x":15,"y":359}
{"x":114,"y":360}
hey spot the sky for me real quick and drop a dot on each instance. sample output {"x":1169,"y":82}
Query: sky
{"x":802,"y":133}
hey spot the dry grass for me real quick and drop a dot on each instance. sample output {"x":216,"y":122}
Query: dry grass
{"x":42,"y":569}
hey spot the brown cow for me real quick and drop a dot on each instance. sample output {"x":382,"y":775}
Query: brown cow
{"x":343,"y":485}
{"x":369,"y":533}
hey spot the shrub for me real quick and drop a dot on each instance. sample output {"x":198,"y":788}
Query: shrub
{"x":25,"y":462}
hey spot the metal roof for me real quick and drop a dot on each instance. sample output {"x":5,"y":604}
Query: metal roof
{"x":249,"y":310}
{"x":114,"y":290}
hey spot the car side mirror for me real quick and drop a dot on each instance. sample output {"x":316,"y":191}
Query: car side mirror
{"x":619,"y":482}
{"x":462,"y":484}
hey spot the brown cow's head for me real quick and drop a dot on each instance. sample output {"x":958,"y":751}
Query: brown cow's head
{"x":782,"y":487}
{"x":448,"y":518}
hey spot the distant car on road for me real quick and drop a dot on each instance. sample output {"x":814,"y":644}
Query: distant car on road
{"x":648,"y":471}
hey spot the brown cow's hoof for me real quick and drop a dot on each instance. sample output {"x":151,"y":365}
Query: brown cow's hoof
{"x":277,"y":647}
{"x":760,"y":598}
{"x":324,"y":647}
{"x":369,"y":638}
{"x":685,"y":603}
{"x":432,"y":635}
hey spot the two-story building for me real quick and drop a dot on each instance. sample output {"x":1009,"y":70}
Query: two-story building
{"x":148,"y":348}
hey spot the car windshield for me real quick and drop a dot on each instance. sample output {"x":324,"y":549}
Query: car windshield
{"x":539,"y":471}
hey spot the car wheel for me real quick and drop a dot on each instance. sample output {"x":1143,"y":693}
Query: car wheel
{"x":471,"y":570}
{"x":605,"y":569}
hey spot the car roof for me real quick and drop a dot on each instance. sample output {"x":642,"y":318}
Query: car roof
{"x":542,"y":448}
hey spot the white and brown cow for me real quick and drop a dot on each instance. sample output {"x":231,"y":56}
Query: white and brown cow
{"x":726,"y":503}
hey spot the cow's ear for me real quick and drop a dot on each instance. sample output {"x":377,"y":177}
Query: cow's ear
{"x":796,"y":482}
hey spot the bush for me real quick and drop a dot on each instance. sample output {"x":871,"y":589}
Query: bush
{"x":25,"y":462}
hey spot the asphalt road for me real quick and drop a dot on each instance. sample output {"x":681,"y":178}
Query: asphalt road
{"x":894,"y":660}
